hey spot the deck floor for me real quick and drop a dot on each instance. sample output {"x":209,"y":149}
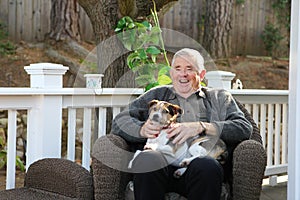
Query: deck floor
{"x":277,"y":192}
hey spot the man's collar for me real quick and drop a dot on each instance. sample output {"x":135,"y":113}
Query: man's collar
{"x":200,"y":93}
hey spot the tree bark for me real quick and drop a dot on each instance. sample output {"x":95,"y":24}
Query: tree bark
{"x":217,"y":27}
{"x":104,"y":15}
{"x":111,"y":56}
{"x":64,"y":20}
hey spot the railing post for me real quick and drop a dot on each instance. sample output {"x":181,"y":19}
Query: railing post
{"x":294,"y":105}
{"x":45,"y":117}
{"x":219,"y":79}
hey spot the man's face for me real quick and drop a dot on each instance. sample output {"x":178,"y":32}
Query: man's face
{"x":186,"y":78}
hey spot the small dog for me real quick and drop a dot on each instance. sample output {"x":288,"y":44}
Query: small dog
{"x":163,"y":114}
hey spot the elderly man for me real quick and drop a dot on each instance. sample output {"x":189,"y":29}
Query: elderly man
{"x":206,"y":111}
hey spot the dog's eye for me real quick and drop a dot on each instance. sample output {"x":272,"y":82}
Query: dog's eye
{"x":154,"y":109}
{"x":165,"y":111}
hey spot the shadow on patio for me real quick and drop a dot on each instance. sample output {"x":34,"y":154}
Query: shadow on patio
{"x":277,"y":192}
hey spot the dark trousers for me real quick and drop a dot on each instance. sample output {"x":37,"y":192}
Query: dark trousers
{"x":153,"y":178}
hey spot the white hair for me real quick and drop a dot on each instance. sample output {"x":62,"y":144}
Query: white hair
{"x":192,"y":55}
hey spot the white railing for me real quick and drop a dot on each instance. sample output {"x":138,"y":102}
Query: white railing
{"x":269,"y":109}
{"x":45,"y":106}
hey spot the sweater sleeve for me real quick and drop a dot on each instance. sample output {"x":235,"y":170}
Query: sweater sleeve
{"x":128,"y":123}
{"x":231,"y":121}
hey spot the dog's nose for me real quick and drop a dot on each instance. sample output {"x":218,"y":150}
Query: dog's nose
{"x":155,"y":117}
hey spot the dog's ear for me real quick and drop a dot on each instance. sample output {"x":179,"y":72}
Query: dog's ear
{"x":174,"y":109}
{"x":152,"y":103}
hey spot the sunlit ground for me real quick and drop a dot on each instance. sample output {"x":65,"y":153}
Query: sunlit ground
{"x":280,"y":179}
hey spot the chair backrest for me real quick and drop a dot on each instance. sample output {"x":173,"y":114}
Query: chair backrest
{"x":256,"y":133}
{"x":60,"y":176}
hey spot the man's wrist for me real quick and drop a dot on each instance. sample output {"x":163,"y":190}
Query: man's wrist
{"x":203,"y":128}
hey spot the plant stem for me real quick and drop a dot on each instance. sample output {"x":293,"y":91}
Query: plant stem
{"x":156,"y":21}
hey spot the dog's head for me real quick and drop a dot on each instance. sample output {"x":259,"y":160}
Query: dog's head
{"x":163,"y":113}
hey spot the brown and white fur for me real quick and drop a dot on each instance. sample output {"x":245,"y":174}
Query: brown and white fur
{"x":164,"y":114}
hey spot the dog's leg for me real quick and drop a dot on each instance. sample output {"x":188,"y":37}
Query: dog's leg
{"x":197,"y":150}
{"x":179,"y":172}
{"x":185,"y":162}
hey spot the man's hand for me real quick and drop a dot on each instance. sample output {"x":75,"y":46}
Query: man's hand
{"x":182,"y":131}
{"x":150,"y":130}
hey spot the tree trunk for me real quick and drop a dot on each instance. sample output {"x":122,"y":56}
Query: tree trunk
{"x":104,"y":15}
{"x":111,"y":56}
{"x":64,"y":20}
{"x":217,"y":27}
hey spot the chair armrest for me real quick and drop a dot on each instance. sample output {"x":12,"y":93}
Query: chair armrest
{"x":249,"y":163}
{"x":60,"y":176}
{"x":110,"y":159}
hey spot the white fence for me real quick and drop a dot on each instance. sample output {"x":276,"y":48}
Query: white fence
{"x":45,"y":101}
{"x":269,"y":109}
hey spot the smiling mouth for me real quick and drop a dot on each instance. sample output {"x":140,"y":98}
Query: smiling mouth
{"x":183,"y":81}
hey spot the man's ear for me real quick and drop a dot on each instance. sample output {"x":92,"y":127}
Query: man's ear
{"x":152,"y":103}
{"x":202,"y":74}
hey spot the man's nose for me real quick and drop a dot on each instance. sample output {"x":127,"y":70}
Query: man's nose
{"x":183,"y":72}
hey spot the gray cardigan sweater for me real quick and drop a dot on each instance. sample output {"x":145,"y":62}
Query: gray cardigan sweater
{"x":221,"y":108}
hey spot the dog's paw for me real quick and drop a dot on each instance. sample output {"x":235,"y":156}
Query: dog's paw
{"x":179,"y":172}
{"x":184,"y":162}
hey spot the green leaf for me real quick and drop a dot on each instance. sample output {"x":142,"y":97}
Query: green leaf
{"x":124,"y":23}
{"x":151,"y":85}
{"x":3,"y":154}
{"x":147,"y":24}
{"x":142,"y":54}
{"x":145,"y":79}
{"x":120,"y":25}
{"x":164,"y":69}
{"x":2,"y":164}
{"x":156,"y":30}
{"x":127,"y":45}
{"x":131,"y":25}
{"x":118,"y":29}
{"x":131,"y":59}
{"x":164,"y":80}
{"x":153,"y":50}
{"x":1,"y":141}
{"x":141,"y":26}
{"x":20,"y":164}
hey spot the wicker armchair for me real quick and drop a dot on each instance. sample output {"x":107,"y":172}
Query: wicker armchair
{"x":249,"y":162}
{"x":53,"y":178}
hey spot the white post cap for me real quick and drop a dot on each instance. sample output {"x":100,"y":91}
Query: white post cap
{"x":219,"y":79}
{"x":46,"y":75}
